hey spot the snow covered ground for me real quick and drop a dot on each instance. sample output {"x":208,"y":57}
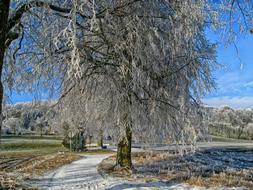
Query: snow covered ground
{"x":83,"y":174}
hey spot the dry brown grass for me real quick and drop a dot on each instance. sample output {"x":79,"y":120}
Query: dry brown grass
{"x":98,"y":151}
{"x":107,"y":166}
{"x":151,"y":166}
{"x":149,"y":157}
{"x":222,"y":179}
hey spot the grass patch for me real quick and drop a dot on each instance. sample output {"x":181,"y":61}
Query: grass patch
{"x":234,"y":179}
{"x":99,"y":151}
{"x":31,"y":145}
{"x":28,"y":146}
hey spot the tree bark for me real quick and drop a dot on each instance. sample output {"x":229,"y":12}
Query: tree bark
{"x":125,"y":143}
{"x":4,"y":13}
{"x":124,"y":149}
{"x":100,"y":138}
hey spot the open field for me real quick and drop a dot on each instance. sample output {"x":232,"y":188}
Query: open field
{"x":22,"y":158}
{"x":27,"y":157}
{"x":31,"y":144}
{"x":224,"y":162}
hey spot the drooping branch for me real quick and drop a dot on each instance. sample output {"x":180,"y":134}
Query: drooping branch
{"x":16,"y":17}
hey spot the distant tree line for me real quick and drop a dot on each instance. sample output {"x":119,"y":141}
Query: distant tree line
{"x":28,"y":118}
{"x":230,"y":123}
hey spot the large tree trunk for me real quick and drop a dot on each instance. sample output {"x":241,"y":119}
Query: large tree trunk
{"x":4,"y":13}
{"x":100,"y":138}
{"x":124,"y":149}
{"x":125,"y":142}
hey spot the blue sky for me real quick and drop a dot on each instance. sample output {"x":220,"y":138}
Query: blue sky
{"x":26,"y":97}
{"x":235,"y":79}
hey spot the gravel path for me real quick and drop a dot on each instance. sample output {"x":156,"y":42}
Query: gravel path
{"x":83,"y":175}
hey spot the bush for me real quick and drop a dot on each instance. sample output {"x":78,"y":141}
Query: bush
{"x":77,"y":142}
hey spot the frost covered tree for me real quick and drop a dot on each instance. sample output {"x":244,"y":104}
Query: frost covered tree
{"x":91,"y":104}
{"x":152,"y":54}
{"x":155,"y":58}
{"x":15,"y":24}
{"x":151,"y":57}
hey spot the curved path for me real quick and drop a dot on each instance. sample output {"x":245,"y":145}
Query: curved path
{"x":83,"y":175}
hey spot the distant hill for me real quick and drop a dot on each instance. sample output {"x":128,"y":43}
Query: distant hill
{"x":230,"y":123}
{"x":27,"y":118}
{"x":35,"y":117}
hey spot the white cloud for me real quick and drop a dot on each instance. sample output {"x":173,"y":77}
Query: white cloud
{"x":248,"y":84}
{"x":230,"y":82}
{"x":234,"y":102}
